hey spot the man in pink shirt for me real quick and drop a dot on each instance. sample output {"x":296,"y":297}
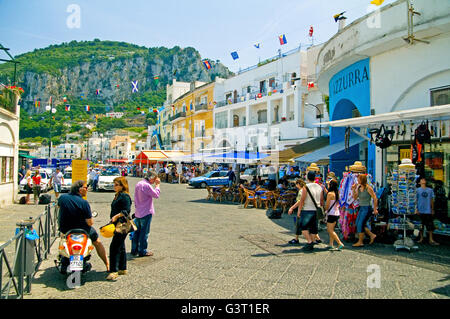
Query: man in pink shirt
{"x":144,"y":193}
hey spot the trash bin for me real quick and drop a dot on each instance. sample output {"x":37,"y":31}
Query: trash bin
{"x":30,"y":249}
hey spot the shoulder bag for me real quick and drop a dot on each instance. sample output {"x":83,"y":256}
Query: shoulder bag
{"x":319,"y":210}
{"x":125,"y":227}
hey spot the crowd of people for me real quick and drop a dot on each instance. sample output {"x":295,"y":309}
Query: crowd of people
{"x":314,"y":194}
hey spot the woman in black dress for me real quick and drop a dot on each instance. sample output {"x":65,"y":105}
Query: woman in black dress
{"x":117,"y":253}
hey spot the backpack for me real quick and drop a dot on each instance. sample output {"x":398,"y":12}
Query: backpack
{"x":22,"y":200}
{"x":45,"y":199}
{"x":384,"y":137}
{"x":423,"y":134}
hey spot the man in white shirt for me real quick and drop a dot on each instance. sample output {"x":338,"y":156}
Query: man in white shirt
{"x":56,"y":180}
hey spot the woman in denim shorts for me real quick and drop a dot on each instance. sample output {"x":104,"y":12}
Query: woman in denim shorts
{"x":364,"y":193}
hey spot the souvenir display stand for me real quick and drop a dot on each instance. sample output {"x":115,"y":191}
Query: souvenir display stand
{"x":403,"y":202}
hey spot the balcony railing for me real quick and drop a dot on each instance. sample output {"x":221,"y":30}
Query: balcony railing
{"x":201,"y":107}
{"x":277,"y":88}
{"x":177,"y":116}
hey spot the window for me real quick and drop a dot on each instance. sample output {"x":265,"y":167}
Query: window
{"x":262,"y":87}
{"x":7,"y":167}
{"x":272,"y":82}
{"x":440,"y":96}
{"x":262,"y":116}
{"x":221,"y":120}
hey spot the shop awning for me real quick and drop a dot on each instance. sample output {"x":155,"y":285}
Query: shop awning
{"x":154,"y":156}
{"x":26,"y":156}
{"x":197,"y":157}
{"x":321,"y":155}
{"x":117,"y":160}
{"x":236,"y":157}
{"x":441,"y":112}
{"x":288,"y":156}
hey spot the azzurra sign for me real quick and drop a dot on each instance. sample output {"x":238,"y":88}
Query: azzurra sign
{"x":351,"y":84}
{"x":350,"y":79}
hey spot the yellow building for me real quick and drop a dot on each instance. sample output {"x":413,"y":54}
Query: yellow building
{"x":192,"y":119}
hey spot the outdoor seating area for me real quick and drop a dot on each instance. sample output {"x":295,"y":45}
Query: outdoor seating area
{"x":253,"y":197}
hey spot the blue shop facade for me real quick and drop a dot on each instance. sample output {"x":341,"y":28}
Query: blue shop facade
{"x":349,"y":97}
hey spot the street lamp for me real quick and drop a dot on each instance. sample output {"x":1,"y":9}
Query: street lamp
{"x":320,"y":117}
{"x":52,"y":110}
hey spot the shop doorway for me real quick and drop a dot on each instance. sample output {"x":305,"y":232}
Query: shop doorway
{"x":339,"y":161}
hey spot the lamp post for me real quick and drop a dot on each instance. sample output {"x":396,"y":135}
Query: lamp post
{"x":320,"y":117}
{"x":52,"y":111}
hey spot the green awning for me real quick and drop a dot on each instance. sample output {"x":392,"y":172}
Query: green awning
{"x":26,"y":156}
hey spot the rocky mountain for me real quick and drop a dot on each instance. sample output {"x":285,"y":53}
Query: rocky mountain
{"x":102,"y":72}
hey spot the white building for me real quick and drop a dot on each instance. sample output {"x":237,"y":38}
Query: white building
{"x":42,"y":152}
{"x":382,"y":64}
{"x":9,"y":150}
{"x":68,"y":151}
{"x":265,"y":108}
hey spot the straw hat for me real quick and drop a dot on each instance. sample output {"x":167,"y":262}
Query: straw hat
{"x":407,"y":164}
{"x":358,"y":167}
{"x":313,"y":167}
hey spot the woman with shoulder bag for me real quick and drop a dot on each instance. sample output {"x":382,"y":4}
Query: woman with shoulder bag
{"x":364,"y":193}
{"x":120,"y":205}
{"x":311,"y":198}
{"x":333,"y":214}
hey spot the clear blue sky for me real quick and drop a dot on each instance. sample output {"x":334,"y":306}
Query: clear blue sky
{"x":215,"y":27}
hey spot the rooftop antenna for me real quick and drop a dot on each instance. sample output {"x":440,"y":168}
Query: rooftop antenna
{"x":410,"y":19}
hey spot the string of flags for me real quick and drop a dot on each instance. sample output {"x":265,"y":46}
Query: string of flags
{"x":135,"y":88}
{"x":207,"y":64}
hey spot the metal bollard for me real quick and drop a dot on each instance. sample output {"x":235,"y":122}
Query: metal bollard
{"x":24,"y":265}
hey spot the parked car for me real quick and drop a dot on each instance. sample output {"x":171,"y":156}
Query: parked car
{"x":249,"y":173}
{"x":65,"y":187}
{"x":213,"y":178}
{"x":45,"y":179}
{"x":106,"y":179}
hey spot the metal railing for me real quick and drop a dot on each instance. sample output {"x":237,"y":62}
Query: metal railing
{"x":178,"y":115}
{"x":28,"y":254}
{"x":200,"y":107}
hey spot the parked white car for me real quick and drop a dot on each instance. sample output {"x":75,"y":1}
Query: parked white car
{"x":106,"y":179}
{"x":249,"y":173}
{"x":67,"y":184}
{"x":45,"y":179}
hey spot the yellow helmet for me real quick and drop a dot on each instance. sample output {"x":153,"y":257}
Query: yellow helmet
{"x":107,"y":231}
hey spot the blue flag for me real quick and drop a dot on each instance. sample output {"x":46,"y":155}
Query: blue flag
{"x":234,"y":55}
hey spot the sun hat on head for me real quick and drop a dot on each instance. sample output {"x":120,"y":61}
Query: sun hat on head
{"x":358,"y":167}
{"x":313,"y":167}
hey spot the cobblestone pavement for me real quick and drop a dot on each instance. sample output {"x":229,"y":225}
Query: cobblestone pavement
{"x":205,"y":249}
